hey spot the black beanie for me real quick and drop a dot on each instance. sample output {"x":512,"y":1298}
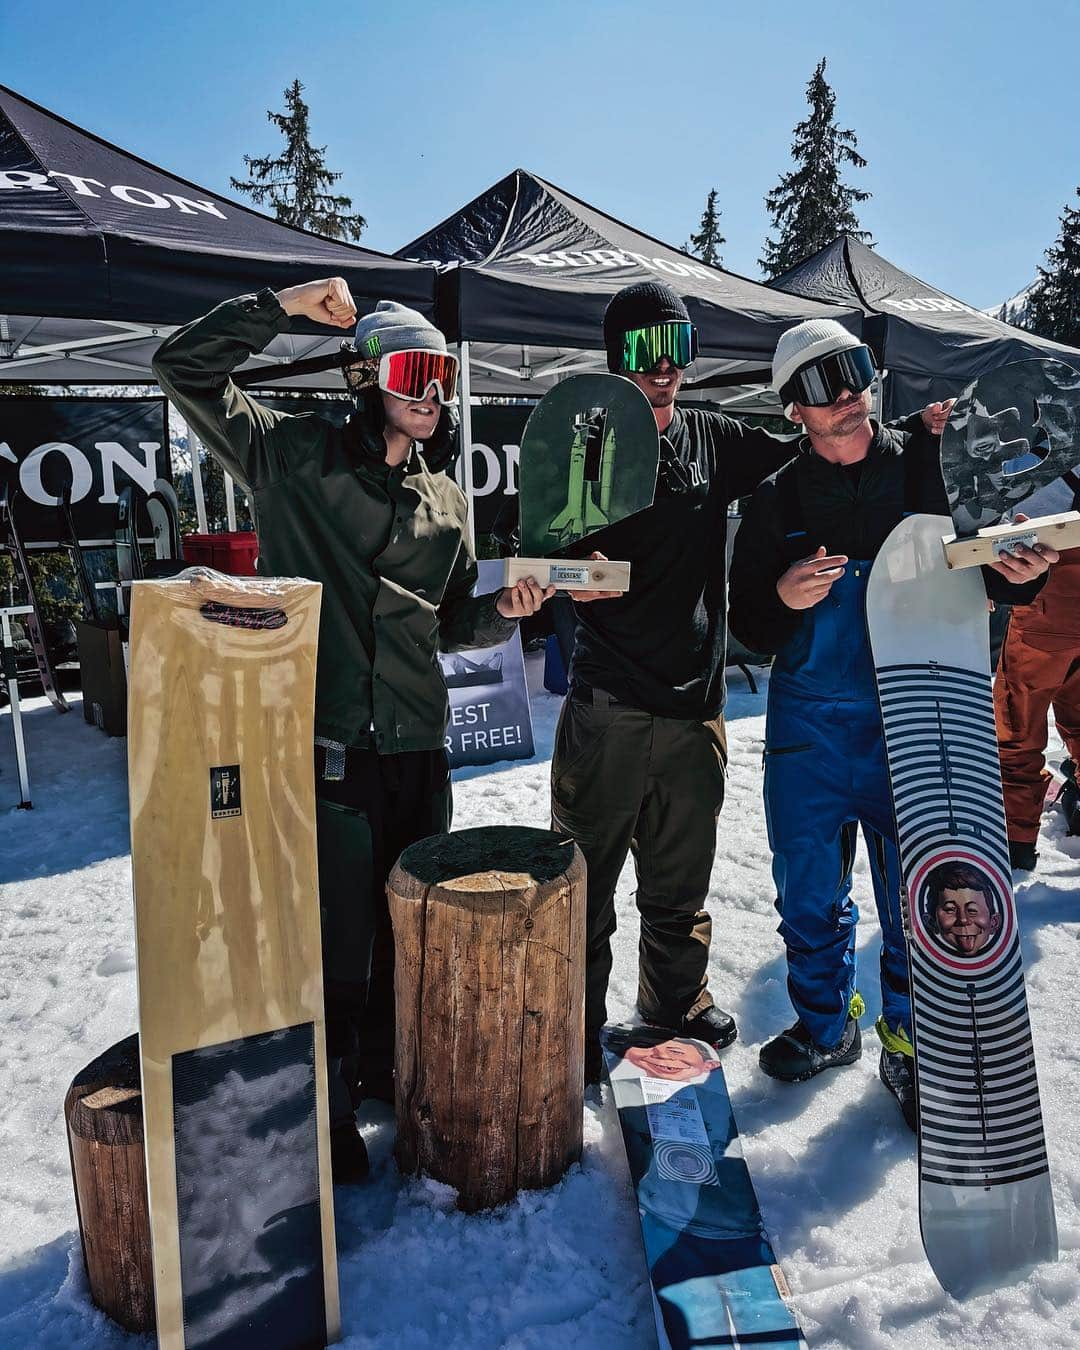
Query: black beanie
{"x":637,"y":306}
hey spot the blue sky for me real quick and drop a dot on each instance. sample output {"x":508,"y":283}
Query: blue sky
{"x":966,"y":112}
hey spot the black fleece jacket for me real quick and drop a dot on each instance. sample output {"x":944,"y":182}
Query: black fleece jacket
{"x":850,"y":510}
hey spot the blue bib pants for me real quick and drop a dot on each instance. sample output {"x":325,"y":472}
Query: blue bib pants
{"x":826,"y":776}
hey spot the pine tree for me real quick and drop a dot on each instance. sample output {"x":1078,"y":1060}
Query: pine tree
{"x":295,"y":182}
{"x":1053,"y":308}
{"x":811,"y":205}
{"x":706,"y":243}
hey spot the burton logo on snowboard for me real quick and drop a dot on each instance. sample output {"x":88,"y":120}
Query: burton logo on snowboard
{"x":224,"y":791}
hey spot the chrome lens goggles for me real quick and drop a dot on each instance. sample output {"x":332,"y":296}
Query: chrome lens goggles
{"x":821,"y":382}
{"x":644,"y":348}
{"x":408,"y":375}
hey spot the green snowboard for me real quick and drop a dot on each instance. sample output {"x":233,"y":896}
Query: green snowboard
{"x":589,"y":457}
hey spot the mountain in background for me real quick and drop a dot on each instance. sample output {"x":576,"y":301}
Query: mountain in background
{"x":1014,"y":310}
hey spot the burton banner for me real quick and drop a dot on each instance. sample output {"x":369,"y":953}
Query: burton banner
{"x":95,"y":447}
{"x":496,"y":445}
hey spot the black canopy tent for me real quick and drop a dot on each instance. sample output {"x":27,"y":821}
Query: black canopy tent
{"x":930,"y":344}
{"x":104,"y":253}
{"x":527,"y":270}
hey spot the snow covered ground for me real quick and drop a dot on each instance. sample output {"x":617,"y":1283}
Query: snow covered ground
{"x":834,"y":1166}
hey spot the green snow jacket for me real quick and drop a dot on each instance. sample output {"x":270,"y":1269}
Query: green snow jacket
{"x":386,"y":543}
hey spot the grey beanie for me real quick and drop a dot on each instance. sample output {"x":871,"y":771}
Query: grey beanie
{"x":391,"y":327}
{"x":806,"y":342}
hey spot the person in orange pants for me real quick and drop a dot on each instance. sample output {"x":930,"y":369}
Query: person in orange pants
{"x":1039,"y":668}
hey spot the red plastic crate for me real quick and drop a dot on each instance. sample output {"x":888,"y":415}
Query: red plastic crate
{"x":199,"y":550}
{"x":233,"y":553}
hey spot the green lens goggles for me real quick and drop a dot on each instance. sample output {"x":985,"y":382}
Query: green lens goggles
{"x":644,"y":348}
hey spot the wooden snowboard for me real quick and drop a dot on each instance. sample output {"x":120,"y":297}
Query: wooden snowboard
{"x":220,"y":760}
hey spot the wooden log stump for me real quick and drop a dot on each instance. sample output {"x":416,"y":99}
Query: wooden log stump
{"x":489,"y":928}
{"x":103,"y":1110}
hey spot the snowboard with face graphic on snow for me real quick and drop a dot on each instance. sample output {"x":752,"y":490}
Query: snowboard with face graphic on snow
{"x":714,"y":1276}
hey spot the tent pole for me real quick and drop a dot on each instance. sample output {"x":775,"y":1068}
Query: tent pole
{"x":230,"y":504}
{"x":196,"y":480}
{"x":466,"y":447}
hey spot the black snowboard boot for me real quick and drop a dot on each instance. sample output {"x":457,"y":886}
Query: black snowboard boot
{"x":897,"y":1071}
{"x":1022,"y":857}
{"x":793,"y":1057}
{"x":713,"y":1026}
{"x":348,"y":1155}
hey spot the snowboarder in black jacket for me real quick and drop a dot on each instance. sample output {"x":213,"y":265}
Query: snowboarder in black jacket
{"x":641,"y":750}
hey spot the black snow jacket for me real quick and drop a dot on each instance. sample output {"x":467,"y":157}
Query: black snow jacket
{"x":850,"y":509}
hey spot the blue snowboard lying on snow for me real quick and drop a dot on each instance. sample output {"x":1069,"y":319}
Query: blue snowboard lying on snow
{"x":714,"y":1275}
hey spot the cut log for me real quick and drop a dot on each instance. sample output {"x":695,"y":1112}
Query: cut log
{"x":103,"y":1110}
{"x":489,"y":929}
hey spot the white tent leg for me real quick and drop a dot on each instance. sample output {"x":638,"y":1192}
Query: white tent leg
{"x":466,"y":447}
{"x":230,"y":504}
{"x":196,"y":481}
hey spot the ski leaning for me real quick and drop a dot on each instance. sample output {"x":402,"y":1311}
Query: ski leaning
{"x":11,"y":540}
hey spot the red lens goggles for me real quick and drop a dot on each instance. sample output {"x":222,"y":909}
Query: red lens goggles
{"x":410,"y":374}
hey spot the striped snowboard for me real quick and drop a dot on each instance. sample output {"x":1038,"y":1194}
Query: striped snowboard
{"x":986,"y":1210}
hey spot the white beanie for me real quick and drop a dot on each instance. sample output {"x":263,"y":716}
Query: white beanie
{"x":806,"y":342}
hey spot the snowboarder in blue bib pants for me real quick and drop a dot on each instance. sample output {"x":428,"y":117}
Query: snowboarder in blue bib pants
{"x":802,"y":560}
{"x":825,"y":775}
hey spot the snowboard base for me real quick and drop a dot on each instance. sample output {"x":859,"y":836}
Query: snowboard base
{"x":714,"y":1276}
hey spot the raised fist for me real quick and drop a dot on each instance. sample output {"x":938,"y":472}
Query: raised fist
{"x":328,"y":301}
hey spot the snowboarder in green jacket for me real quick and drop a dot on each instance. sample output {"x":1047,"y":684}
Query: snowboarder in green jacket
{"x":370,"y":511}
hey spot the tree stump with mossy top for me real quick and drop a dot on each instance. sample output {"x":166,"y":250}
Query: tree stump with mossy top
{"x":489,"y":930}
